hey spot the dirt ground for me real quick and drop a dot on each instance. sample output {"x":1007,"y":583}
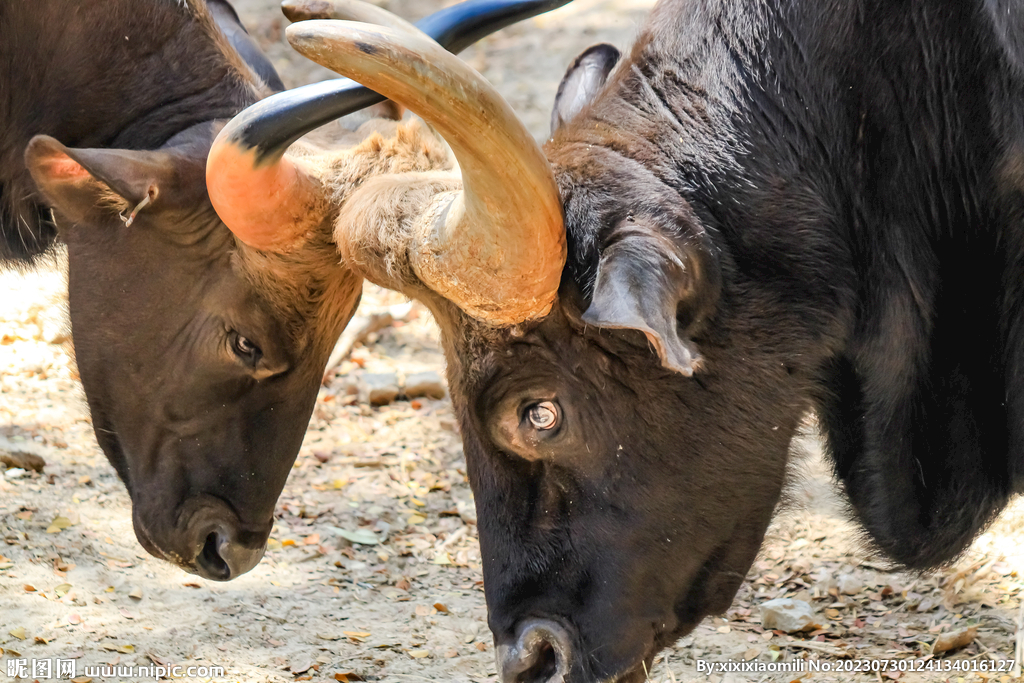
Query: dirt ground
{"x":373,"y":571}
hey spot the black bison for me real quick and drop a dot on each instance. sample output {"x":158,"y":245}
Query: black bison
{"x":766,"y":207}
{"x":200,"y":358}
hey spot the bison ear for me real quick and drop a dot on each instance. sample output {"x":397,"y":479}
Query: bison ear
{"x":582,"y":81}
{"x":648,"y":282}
{"x":86,"y":184}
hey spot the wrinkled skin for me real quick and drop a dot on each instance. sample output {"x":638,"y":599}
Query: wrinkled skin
{"x":200,"y":360}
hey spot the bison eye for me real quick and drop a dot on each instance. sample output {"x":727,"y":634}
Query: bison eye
{"x":246,"y":350}
{"x":543,"y":415}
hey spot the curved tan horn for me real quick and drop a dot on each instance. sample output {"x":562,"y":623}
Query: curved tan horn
{"x":347,"y":10}
{"x":497,"y":248}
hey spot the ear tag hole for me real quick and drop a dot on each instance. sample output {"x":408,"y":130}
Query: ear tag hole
{"x":146,"y":201}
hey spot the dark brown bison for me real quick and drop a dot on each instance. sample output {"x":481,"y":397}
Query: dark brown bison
{"x":765,"y":208}
{"x":200,"y":357}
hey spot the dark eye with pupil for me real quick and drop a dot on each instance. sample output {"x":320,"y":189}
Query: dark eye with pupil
{"x":543,"y":415}
{"x":246,"y":349}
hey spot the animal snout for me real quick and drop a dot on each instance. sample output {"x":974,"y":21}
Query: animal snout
{"x":540,"y":653}
{"x":223,"y":556}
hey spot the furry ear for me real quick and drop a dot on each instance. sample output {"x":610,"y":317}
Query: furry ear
{"x":90,"y":184}
{"x":582,"y":81}
{"x":647,"y":282}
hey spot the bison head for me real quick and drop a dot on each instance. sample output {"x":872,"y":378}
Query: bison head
{"x":615,"y":397}
{"x":200,"y":359}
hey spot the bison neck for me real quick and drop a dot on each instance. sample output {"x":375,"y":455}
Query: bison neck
{"x":112,"y":74}
{"x":860,"y":171}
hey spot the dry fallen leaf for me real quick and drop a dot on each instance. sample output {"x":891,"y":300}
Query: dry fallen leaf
{"x":302,"y":665}
{"x":58,"y":524}
{"x":419,"y":654}
{"x":954,"y":640}
{"x":360,"y":536}
{"x":440,"y":608}
{"x":136,"y":594}
{"x":18,"y":633}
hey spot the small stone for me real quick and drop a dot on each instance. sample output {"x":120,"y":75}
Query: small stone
{"x":379,"y":389}
{"x":848,"y":584}
{"x":22,"y":460}
{"x":425,"y":384}
{"x":789,"y":615}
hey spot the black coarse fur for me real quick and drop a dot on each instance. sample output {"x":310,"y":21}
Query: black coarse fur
{"x":120,"y":73}
{"x":771,"y":207}
{"x":803,"y":205}
{"x":860,"y":164}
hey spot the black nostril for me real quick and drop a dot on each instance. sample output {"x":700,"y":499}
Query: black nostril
{"x":212,"y":564}
{"x":539,"y":655}
{"x":545,"y":664}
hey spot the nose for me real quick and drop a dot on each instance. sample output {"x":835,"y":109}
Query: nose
{"x":223,"y":557}
{"x":540,"y":653}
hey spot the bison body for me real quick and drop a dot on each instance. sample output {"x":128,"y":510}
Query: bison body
{"x":852,"y":174}
{"x":770,"y":207}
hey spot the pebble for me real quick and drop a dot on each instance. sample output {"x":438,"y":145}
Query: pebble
{"x":425,"y":384}
{"x":789,"y":615}
{"x":848,"y":584}
{"x":379,"y":389}
{"x":21,"y":460}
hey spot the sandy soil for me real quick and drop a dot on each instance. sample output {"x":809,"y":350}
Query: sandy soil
{"x":404,"y":601}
